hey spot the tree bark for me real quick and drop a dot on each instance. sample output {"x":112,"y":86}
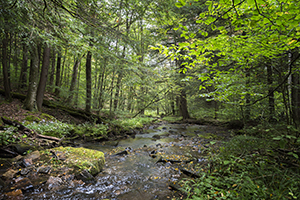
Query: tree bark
{"x":101,"y":86}
{"x":24,"y":69}
{"x":43,"y":77}
{"x":29,"y":103}
{"x":271,"y":93}
{"x":88,"y":82}
{"x":295,"y":92}
{"x":57,"y":76}
{"x":51,"y":80}
{"x":73,"y":81}
{"x":5,"y":68}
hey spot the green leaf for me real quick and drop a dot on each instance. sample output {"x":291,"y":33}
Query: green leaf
{"x":277,"y":138}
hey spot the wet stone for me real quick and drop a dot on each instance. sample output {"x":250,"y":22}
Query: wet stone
{"x":24,"y":184}
{"x":68,"y":178}
{"x":26,"y":162}
{"x":54,"y":182}
{"x":9,"y":174}
{"x":26,"y":171}
{"x":44,"y":170}
{"x":17,"y":158}
{"x":156,"y":136}
{"x":15,"y":194}
{"x":85,"y":176}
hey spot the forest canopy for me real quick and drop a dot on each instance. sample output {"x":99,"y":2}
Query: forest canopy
{"x":236,"y":59}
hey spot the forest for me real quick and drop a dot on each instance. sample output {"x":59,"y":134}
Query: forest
{"x":105,"y":70}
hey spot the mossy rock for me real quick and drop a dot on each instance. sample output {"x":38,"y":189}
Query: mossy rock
{"x":83,"y":159}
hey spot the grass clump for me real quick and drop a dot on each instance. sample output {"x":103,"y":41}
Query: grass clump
{"x":172,"y":118}
{"x":133,"y":123}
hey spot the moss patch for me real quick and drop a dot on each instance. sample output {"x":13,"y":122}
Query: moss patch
{"x":32,"y":118}
{"x":83,"y":159}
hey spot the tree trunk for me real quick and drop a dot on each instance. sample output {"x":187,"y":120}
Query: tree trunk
{"x":77,"y":87}
{"x":118,"y":84}
{"x":247,"y":108}
{"x":15,"y":62}
{"x":295,"y":92}
{"x":88,"y":82}
{"x":182,"y":102}
{"x":57,"y":76}
{"x":33,"y":80}
{"x":73,"y":81}
{"x":271,"y":93}
{"x":24,"y":69}
{"x":5,"y":68}
{"x":101,"y":86}
{"x":183,"y":108}
{"x":51,"y":80}
{"x":43,"y":77}
{"x":111,"y":92}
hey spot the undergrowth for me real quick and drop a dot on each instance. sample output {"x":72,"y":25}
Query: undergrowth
{"x":250,"y":167}
{"x":133,"y":123}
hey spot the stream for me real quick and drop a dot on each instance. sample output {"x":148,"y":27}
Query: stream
{"x":143,"y":166}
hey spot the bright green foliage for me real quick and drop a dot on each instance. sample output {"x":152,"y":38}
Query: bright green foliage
{"x":51,"y":128}
{"x":7,"y":136}
{"x":232,"y":44}
{"x":133,"y":123}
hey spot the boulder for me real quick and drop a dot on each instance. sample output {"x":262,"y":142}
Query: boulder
{"x":82,"y":159}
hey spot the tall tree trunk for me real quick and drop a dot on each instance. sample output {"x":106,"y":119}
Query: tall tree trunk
{"x":57,"y":76}
{"x":111,"y":92}
{"x":77,"y":88}
{"x":101,"y":86}
{"x":172,"y":104}
{"x":43,"y":77}
{"x":247,"y":114}
{"x":29,"y":103}
{"x":88,"y":82}
{"x":129,"y":98}
{"x":51,"y":80}
{"x":271,"y":93}
{"x":183,"y":108}
{"x":15,"y":62}
{"x":118,"y":84}
{"x":182,"y":102}
{"x":295,"y":92}
{"x":24,"y":69}
{"x":5,"y":68}
{"x":73,"y":81}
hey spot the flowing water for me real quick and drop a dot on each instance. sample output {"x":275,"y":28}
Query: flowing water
{"x":151,"y":162}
